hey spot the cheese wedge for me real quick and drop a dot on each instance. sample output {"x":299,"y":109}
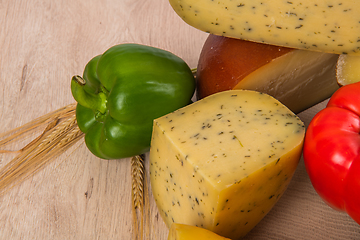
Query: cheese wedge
{"x":347,"y":69}
{"x":297,"y":78}
{"x":326,"y":26}
{"x":186,"y":232}
{"x":222,"y":162}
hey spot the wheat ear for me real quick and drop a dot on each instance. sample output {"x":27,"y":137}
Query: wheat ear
{"x":137,"y":194}
{"x":61,"y":132}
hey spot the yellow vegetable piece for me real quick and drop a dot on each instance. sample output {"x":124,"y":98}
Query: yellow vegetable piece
{"x":186,"y":232}
{"x":327,"y":26}
{"x":222,"y":162}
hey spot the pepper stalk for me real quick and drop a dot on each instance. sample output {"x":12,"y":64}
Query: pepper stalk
{"x":96,"y":102}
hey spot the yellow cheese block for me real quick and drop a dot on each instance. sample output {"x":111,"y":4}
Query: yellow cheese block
{"x":327,"y":26}
{"x":186,"y":232}
{"x":222,"y":162}
{"x":347,"y":70}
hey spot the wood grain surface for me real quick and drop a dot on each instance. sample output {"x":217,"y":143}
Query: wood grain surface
{"x":43,"y":43}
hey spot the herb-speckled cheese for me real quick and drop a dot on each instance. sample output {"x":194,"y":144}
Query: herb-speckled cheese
{"x":222,"y":162}
{"x":328,"y":26}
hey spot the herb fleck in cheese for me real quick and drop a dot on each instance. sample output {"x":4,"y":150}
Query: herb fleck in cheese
{"x":222,"y":162}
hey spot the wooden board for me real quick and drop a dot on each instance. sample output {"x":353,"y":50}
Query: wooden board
{"x":78,"y":196}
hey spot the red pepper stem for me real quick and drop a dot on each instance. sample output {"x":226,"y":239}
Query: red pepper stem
{"x":96,"y":102}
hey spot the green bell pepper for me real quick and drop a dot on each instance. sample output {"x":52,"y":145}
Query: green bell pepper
{"x":122,"y":91}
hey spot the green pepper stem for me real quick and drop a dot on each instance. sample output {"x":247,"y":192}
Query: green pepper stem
{"x":96,"y":102}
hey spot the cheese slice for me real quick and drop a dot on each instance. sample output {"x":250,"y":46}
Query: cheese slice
{"x":222,"y":162}
{"x":187,"y":232}
{"x":326,"y":26}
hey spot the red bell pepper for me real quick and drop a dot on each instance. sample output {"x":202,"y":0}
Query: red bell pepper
{"x":332,"y":151}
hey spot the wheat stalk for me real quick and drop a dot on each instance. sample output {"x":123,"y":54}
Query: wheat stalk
{"x":61,"y":132}
{"x":137,"y":194}
{"x":35,"y":124}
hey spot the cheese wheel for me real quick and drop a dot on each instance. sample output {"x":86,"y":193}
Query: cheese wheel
{"x":323,"y":25}
{"x":222,"y":162}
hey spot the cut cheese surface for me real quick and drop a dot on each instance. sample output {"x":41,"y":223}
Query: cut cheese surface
{"x":327,"y":26}
{"x":300,"y":79}
{"x":222,"y":162}
{"x":187,"y":232}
